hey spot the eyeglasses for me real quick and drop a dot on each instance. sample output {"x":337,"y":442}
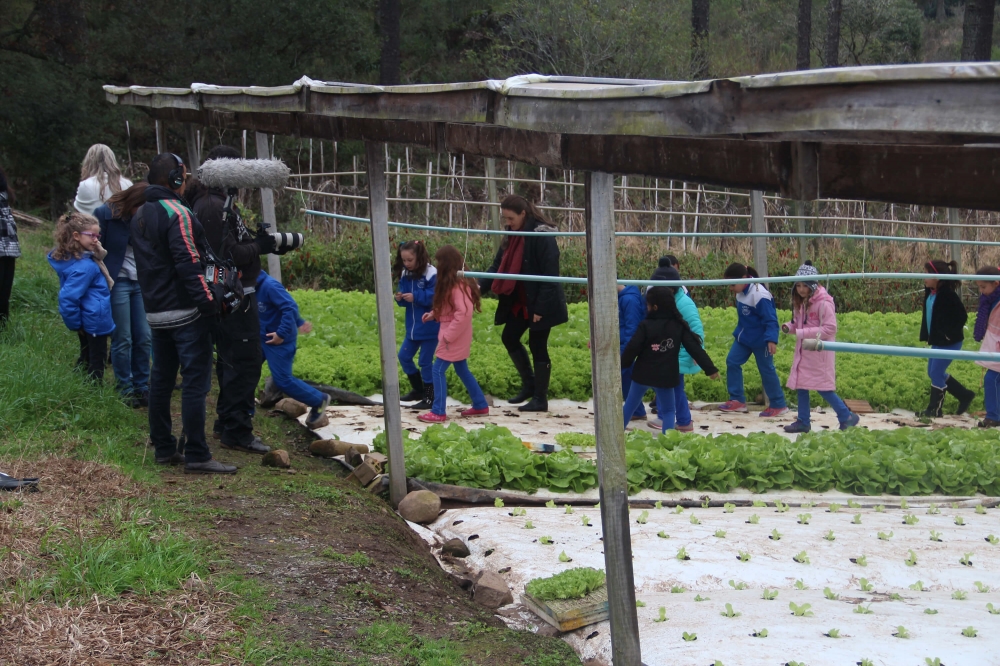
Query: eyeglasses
{"x":91,"y":234}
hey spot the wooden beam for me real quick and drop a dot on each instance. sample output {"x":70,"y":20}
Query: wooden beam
{"x":378,"y":211}
{"x":607,"y":385}
{"x":161,"y":137}
{"x":491,"y":193}
{"x":955,"y":233}
{"x":457,"y":106}
{"x":193,"y":149}
{"x":758,"y":225}
{"x":267,"y":207}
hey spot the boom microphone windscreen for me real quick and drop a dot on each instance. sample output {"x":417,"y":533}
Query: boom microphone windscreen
{"x":244,"y":174}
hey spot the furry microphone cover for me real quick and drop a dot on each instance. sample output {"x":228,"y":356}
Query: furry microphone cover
{"x":244,"y":174}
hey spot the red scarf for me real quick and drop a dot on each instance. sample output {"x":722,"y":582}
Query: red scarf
{"x":513,"y":258}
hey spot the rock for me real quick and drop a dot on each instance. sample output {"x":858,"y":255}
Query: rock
{"x":455,"y":548}
{"x":420,"y":506}
{"x":492,"y":591}
{"x":463,"y":582}
{"x":271,"y":394}
{"x":328,"y":448}
{"x":292,"y":408}
{"x":276,"y":458}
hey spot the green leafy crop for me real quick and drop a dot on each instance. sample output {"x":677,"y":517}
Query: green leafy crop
{"x":800,"y":610}
{"x":570,"y":584}
{"x":769,"y":595}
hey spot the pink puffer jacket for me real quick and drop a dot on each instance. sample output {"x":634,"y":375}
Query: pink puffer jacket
{"x":812,"y":370}
{"x":455,"y":334}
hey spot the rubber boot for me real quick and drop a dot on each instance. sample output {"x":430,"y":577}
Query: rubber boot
{"x":540,"y":401}
{"x":428,"y":400}
{"x":523,"y":365}
{"x":417,"y":392}
{"x":934,"y":405}
{"x":965,"y":396}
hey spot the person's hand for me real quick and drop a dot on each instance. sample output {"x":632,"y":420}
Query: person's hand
{"x":785,"y":329}
{"x":306,"y":328}
{"x":428,"y":316}
{"x":714,"y":376}
{"x":772,"y":348}
{"x":407,"y":297}
{"x":536,"y":318}
{"x":398,"y":296}
{"x":274,"y":339}
{"x":265,"y":242}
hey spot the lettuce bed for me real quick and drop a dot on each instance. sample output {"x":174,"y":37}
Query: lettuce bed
{"x":343,"y":351}
{"x":907,"y":461}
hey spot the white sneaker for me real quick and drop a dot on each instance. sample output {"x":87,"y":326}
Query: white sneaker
{"x":655,"y":424}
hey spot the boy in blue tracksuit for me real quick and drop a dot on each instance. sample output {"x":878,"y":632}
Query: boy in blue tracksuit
{"x":279,"y":326}
{"x":756,"y":334}
{"x":417,"y":279}
{"x":631,"y":311}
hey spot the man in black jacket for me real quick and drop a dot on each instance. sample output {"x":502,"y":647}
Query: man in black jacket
{"x":237,"y":337}
{"x":168,"y":243}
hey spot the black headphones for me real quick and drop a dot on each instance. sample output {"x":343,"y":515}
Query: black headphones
{"x":176,"y":176}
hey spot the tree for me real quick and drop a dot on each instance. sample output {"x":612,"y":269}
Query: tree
{"x":802,"y":59}
{"x":977,"y":30}
{"x":389,"y":13}
{"x":878,"y":32}
{"x":831,"y":50}
{"x":699,"y":39}
{"x":940,"y":11}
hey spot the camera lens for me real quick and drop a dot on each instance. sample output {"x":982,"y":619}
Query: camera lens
{"x":288,"y":241}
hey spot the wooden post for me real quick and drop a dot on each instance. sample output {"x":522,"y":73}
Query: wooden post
{"x":378,"y":210}
{"x":799,"y":208}
{"x":758,"y":225}
{"x":956,"y":234}
{"x":193,"y":150}
{"x":161,"y":137}
{"x":267,"y":208}
{"x":491,"y":192}
{"x":607,"y":391}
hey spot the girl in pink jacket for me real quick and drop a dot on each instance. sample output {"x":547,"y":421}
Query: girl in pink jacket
{"x":455,"y":299}
{"x":814,"y":316}
{"x":988,"y":322}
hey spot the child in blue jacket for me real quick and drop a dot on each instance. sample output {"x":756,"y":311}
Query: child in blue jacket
{"x":417,"y":279}
{"x":631,"y":312}
{"x":280,"y":324}
{"x":84,"y":289}
{"x":757,"y":334}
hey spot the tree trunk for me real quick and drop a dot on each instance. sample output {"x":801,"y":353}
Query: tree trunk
{"x":388,"y":14}
{"x":939,"y":12}
{"x":977,"y":30}
{"x":831,"y":55}
{"x":805,"y":34}
{"x":699,"y":39}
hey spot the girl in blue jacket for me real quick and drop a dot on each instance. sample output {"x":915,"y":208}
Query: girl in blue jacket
{"x":756,"y":334}
{"x":417,"y":279}
{"x":280,"y":324}
{"x":84,"y":290}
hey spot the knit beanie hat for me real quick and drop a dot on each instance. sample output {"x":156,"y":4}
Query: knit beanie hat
{"x":805,"y":270}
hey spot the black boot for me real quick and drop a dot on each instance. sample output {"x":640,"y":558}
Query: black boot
{"x":523,"y":365}
{"x":428,"y":400}
{"x":965,"y":396}
{"x":540,"y":401}
{"x":418,"y":388}
{"x":934,"y":406}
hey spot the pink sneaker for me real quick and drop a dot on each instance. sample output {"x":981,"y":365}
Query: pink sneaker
{"x":771,"y":412}
{"x":472,"y":411}
{"x":733,"y":406}
{"x":431,"y":417}
{"x":685,"y":428}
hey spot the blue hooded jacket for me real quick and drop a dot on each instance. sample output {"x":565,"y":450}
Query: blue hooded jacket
{"x":84,"y":297}
{"x":279,"y":313}
{"x":631,"y":311}
{"x":757,"y":322}
{"x":422,"y":289}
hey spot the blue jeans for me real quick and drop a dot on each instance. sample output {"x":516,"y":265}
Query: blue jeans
{"x":739,"y":354}
{"x":991,"y":394}
{"x":626,"y":384}
{"x":664,"y":404}
{"x":132,"y":340}
{"x":409,"y":349}
{"x":682,"y":412}
{"x":279,"y":359}
{"x":441,"y":385}
{"x":843,"y":413}
{"x":188,"y":348}
{"x":937,"y":368}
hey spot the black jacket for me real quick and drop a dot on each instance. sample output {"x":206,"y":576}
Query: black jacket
{"x":231,"y":243}
{"x":169,"y":243}
{"x":541,"y":257}
{"x":654,"y":350}
{"x":948,"y":319}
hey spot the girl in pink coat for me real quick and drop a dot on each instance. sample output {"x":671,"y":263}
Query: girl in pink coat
{"x":455,"y":299}
{"x":814,"y":316}
{"x":988,"y":332}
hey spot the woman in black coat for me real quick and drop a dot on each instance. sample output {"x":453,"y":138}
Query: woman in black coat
{"x":534,"y":307}
{"x":943,"y":327}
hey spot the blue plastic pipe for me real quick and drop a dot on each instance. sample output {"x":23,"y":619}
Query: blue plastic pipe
{"x":885,"y":350}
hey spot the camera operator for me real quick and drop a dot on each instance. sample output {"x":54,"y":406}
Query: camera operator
{"x":169,"y":244}
{"x":237,"y":336}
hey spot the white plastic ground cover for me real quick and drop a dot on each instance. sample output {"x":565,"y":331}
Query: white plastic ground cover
{"x":714,"y":561}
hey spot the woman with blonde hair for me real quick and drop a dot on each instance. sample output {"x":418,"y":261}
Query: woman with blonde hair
{"x":100,"y":178}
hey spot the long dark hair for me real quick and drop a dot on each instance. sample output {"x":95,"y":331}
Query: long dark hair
{"x":449,"y":263}
{"x":664,"y":300}
{"x":737,"y":271}
{"x":991,"y":271}
{"x":419,"y":251}
{"x":128,"y":201}
{"x":5,"y":185}
{"x":944,"y":268}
